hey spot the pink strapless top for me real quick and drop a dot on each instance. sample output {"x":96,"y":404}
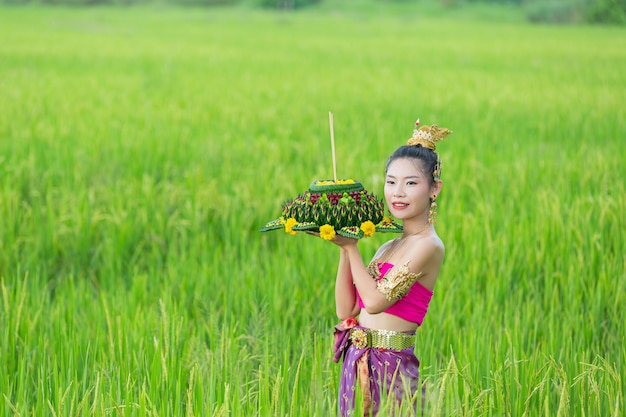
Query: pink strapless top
{"x":413,"y":306}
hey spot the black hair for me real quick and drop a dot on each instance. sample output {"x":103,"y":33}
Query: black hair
{"x":426,"y":159}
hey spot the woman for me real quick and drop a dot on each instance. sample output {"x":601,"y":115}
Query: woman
{"x":391,"y":295}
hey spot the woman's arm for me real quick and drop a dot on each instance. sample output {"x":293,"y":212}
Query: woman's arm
{"x":345,"y":293}
{"x":352,"y":274}
{"x":373,"y":300}
{"x":423,"y":258}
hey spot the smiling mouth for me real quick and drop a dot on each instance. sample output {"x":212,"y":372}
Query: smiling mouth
{"x":399,"y":205}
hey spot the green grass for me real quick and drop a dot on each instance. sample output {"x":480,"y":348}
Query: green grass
{"x":142,"y":149}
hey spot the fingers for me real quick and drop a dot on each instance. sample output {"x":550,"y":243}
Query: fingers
{"x":337,"y":240}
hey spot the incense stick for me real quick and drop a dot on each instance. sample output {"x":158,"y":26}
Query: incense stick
{"x":332,"y":145}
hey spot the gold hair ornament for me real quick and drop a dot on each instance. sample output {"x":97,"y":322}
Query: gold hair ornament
{"x":427,"y":136}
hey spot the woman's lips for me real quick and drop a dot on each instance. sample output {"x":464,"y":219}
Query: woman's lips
{"x":399,"y":206}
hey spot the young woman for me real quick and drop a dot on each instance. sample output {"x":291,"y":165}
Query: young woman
{"x":391,"y":294}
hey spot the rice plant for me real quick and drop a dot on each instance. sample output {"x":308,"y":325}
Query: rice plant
{"x":141,"y":150}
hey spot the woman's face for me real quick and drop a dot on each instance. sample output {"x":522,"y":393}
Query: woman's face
{"x":408,"y":190}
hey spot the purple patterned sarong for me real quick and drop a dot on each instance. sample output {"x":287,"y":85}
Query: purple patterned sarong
{"x":380,"y":373}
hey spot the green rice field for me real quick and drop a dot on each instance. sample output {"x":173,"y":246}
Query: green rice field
{"x":141,"y":149}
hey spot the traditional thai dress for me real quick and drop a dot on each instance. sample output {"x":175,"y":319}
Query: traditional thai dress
{"x":381,"y":362}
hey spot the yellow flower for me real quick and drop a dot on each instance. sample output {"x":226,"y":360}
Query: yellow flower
{"x":327,"y":232}
{"x":368,"y":228}
{"x":289,"y":224}
{"x":331,"y":182}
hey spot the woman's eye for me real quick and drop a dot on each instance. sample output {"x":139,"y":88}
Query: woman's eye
{"x":389,"y":182}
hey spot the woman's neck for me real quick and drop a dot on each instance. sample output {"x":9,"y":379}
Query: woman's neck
{"x":415,"y":227}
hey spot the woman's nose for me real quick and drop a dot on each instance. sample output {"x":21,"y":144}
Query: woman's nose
{"x":398,"y":191}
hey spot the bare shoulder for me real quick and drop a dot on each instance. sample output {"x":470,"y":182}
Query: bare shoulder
{"x":383,"y":248}
{"x":425,"y":257}
{"x":428,"y":247}
{"x":437,"y":244}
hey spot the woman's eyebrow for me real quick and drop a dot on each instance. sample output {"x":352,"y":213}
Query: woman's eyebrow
{"x":410,"y":176}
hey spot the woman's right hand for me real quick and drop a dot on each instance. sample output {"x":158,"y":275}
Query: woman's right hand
{"x":341,"y":241}
{"x":344,"y":242}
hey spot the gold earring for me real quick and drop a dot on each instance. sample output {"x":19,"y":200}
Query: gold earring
{"x":432,"y":213}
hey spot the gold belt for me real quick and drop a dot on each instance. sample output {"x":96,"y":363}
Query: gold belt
{"x":385,"y":339}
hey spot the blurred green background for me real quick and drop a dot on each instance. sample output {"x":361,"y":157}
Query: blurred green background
{"x":142,"y":148}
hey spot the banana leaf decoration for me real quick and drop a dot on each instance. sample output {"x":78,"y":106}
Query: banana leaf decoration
{"x":345,"y":205}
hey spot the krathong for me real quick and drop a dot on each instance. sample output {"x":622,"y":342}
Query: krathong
{"x":334,"y":207}
{"x":331,"y":207}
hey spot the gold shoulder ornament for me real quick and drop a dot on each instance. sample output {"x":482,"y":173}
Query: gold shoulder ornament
{"x":398,"y":283}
